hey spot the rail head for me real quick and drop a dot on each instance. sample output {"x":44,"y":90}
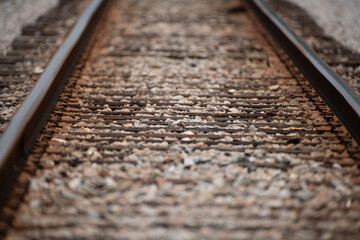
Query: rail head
{"x":26,"y":124}
{"x":336,"y":93}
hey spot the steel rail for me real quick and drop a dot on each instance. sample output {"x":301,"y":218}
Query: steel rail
{"x":25,"y":126}
{"x":337,"y":94}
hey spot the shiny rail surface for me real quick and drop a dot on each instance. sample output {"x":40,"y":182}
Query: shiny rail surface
{"x":25,"y":126}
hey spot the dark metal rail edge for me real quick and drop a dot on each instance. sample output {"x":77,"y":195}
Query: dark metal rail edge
{"x":344,"y":102}
{"x":25,"y":126}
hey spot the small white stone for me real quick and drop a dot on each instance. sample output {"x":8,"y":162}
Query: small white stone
{"x":252,"y":128}
{"x":59,"y":140}
{"x":274,"y":87}
{"x":34,"y":186}
{"x":233,"y":110}
{"x":189,"y":133}
{"x":109,"y":182}
{"x":74,"y":183}
{"x":176,"y":122}
{"x":188,"y":161}
{"x":90,"y":151}
{"x":38,"y":69}
{"x":227,"y":139}
{"x":336,"y":166}
{"x":164,"y":144}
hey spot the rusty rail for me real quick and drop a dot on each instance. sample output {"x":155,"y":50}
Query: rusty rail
{"x":334,"y":91}
{"x":25,"y":126}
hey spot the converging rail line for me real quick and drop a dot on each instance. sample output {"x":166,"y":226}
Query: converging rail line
{"x":182,"y":120}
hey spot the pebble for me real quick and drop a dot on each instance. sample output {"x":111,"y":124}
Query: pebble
{"x":47,"y":163}
{"x":274,"y":87}
{"x":188,"y":161}
{"x":305,"y":195}
{"x":336,"y":166}
{"x":38,"y":69}
{"x":67,"y":119}
{"x":189,"y":133}
{"x":109,"y":182}
{"x":93,"y":154}
{"x":233,"y":110}
{"x":74,"y":183}
{"x":252,"y":128}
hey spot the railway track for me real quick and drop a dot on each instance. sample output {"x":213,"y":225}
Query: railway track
{"x":341,"y":59}
{"x":188,"y":125}
{"x":29,"y":54}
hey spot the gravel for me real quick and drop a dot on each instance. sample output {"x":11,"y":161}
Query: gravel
{"x":16,"y":13}
{"x":339,"y":19}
